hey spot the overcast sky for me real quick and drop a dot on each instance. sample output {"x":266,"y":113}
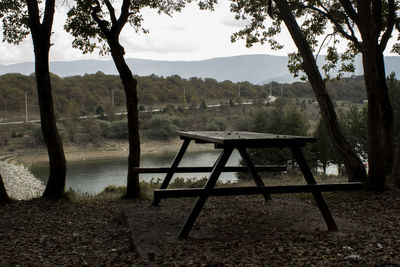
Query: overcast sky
{"x":189,"y":35}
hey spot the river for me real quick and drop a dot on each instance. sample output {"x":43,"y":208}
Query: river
{"x":93,"y":176}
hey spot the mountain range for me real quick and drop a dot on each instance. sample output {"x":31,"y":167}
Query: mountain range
{"x":257,"y":69}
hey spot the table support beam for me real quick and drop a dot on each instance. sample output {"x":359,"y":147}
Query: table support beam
{"x":219,"y":165}
{"x":249,"y":163}
{"x":173,"y":168}
{"x":319,"y":199}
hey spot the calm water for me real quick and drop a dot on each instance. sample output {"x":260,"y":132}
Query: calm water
{"x":94,"y":176}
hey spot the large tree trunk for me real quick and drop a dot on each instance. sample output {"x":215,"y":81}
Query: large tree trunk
{"x":387,"y":116}
{"x":396,"y":165}
{"x":41,"y":43}
{"x":376,"y":156}
{"x":374,"y":75}
{"x":354,"y":167}
{"x":4,"y":198}
{"x":130,"y":87}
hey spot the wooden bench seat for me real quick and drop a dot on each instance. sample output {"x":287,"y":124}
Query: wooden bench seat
{"x":255,"y":190}
{"x":269,"y":168}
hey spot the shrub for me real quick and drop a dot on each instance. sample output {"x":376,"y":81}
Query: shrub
{"x":116,"y":129}
{"x":162,"y":126}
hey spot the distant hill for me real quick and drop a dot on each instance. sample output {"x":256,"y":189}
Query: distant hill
{"x":257,"y":69}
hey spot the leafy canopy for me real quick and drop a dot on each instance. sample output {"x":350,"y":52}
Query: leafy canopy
{"x":91,"y":21}
{"x":14,"y":17}
{"x":325,"y":24}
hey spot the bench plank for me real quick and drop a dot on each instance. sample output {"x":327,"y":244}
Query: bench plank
{"x":255,"y":190}
{"x":271,"y":168}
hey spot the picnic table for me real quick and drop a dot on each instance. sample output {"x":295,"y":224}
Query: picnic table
{"x":227,"y":141}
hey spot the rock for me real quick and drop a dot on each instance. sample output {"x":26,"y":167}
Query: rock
{"x":19,"y":182}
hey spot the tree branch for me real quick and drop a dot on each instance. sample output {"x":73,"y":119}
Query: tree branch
{"x":123,"y":18}
{"x":377,"y":15}
{"x":33,"y":12}
{"x":389,"y":28}
{"x":339,"y":27}
{"x":101,"y":23}
{"x":112,"y":11}
{"x":348,"y":7}
{"x":49,"y":16}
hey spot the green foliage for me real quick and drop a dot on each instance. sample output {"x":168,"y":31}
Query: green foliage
{"x":322,"y":149}
{"x":163,"y":126}
{"x":83,"y":95}
{"x":88,"y":132}
{"x":14,"y":18}
{"x":92,"y":22}
{"x":323,"y":23}
{"x":354,"y":126}
{"x":283,"y":121}
{"x":117,"y":130}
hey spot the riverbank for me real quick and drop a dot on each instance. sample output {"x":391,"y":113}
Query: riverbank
{"x":108,"y":150}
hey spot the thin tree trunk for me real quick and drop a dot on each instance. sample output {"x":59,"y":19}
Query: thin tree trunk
{"x":4,"y":198}
{"x":56,"y":182}
{"x":353,"y":164}
{"x":41,"y":43}
{"x":130,"y":87}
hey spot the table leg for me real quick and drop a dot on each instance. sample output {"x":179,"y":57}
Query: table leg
{"x":308,"y":176}
{"x":216,"y":172}
{"x":250,"y":165}
{"x":172,"y":169}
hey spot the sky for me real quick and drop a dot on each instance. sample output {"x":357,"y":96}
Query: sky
{"x":190,"y":35}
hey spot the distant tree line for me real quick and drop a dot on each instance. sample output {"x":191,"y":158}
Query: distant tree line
{"x":81,"y":95}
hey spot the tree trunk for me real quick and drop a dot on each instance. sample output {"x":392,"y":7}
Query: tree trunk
{"x":376,"y":156}
{"x":4,"y":198}
{"x":387,"y":116}
{"x":130,"y":87}
{"x":353,"y":164}
{"x":41,"y":43}
{"x":396,"y":165}
{"x":378,"y":126}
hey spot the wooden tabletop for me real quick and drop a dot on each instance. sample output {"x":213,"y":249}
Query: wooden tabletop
{"x":245,"y":139}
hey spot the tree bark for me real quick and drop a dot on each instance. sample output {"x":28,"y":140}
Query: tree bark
{"x":379,"y":106}
{"x":129,"y":83}
{"x":376,"y":156}
{"x":354,"y":167}
{"x":130,"y":87}
{"x":41,"y":43}
{"x":396,"y":165}
{"x":386,"y":115}
{"x":4,"y":198}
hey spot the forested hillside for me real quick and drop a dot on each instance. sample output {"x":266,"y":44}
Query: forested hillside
{"x":80,"y":95}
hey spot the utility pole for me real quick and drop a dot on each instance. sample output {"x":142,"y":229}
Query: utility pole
{"x":184,"y":97}
{"x":281,"y":91}
{"x":270,"y":89}
{"x":239,"y":91}
{"x":26,"y":107}
{"x":5,"y":106}
{"x":112,"y":100}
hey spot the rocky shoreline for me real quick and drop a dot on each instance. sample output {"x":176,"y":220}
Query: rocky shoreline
{"x":19,"y":182}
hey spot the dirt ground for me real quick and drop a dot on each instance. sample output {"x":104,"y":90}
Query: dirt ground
{"x":230,"y":231}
